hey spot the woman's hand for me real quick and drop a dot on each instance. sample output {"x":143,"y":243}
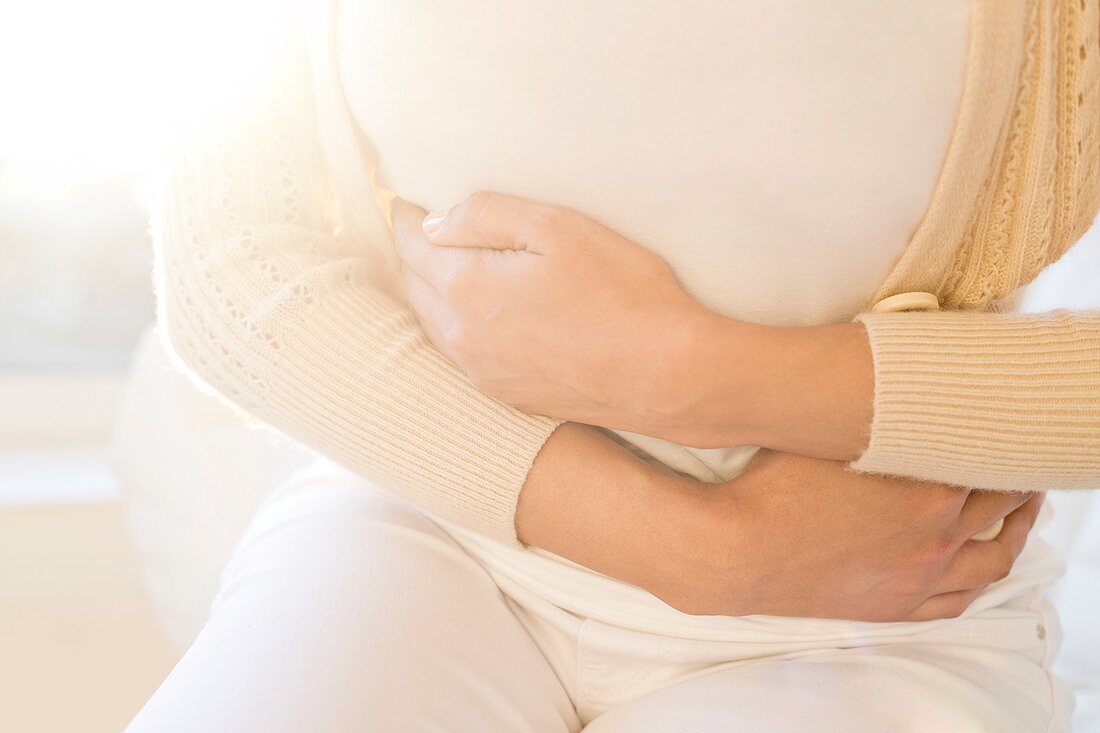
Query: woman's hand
{"x":792,"y":536}
{"x":797,"y":536}
{"x":552,"y":313}
{"x":544,"y":308}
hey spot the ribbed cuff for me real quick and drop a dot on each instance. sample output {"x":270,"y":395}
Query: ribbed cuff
{"x":986,"y":400}
{"x":400,"y":406}
{"x":359,"y":384}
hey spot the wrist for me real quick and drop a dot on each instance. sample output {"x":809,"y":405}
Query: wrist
{"x":700,"y":395}
{"x":589,"y":499}
{"x":805,"y":390}
{"x":715,"y":573}
{"x":818,"y":390}
{"x":593,"y":502}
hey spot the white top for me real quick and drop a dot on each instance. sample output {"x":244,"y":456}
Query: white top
{"x":662,"y":120}
{"x":744,"y":145}
{"x":777,"y":155}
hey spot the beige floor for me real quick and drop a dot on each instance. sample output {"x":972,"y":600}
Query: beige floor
{"x":80,"y":649}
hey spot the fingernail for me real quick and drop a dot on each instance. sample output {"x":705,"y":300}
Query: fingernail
{"x":433,"y":221}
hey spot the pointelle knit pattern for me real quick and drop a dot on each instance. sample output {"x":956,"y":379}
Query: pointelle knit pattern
{"x":276,"y":288}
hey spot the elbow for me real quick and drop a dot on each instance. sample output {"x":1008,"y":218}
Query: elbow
{"x":205,"y":360}
{"x":186,"y":323}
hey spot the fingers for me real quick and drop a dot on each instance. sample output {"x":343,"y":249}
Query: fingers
{"x":979,"y":563}
{"x":484,"y":219}
{"x":990,"y":532}
{"x":1017,"y":527}
{"x":984,"y":508}
{"x":436,"y":265}
{"x":405,"y":214}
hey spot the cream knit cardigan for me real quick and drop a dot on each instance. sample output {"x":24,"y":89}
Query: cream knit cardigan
{"x":276,"y":287}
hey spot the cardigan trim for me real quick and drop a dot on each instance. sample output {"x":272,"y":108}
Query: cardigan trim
{"x":993,"y":59}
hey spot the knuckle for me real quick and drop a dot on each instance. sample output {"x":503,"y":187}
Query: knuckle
{"x":947,"y":500}
{"x":547,"y":218}
{"x":937,"y":509}
{"x":475,"y":206}
{"x":935,"y":551}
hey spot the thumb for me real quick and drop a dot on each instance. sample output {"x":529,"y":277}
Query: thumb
{"x":484,"y":219}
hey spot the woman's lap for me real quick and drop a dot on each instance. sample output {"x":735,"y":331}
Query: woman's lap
{"x":342,"y":610}
{"x":346,"y":610}
{"x":902,"y":689}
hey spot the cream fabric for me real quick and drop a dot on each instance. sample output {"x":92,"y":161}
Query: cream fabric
{"x":193,"y":473}
{"x":760,"y":157}
{"x":980,"y":399}
{"x":275,"y":269}
{"x":343,"y":610}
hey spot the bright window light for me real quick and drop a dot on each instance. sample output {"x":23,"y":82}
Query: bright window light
{"x":91,"y":91}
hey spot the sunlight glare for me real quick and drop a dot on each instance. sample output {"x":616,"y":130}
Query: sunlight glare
{"x":92,"y":87}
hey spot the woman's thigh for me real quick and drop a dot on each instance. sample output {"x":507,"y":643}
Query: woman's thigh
{"x":899,"y":688}
{"x":342,"y":610}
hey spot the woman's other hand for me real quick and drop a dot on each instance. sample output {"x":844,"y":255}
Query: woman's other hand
{"x":797,"y":536}
{"x":544,"y":308}
{"x":555,"y":314}
{"x":792,"y":536}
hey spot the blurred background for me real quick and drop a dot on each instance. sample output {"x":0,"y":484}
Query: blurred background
{"x":103,"y":579}
{"x":91,"y":92}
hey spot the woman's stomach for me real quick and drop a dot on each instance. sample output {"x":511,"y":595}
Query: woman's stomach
{"x":777,"y":158}
{"x":778,"y":161}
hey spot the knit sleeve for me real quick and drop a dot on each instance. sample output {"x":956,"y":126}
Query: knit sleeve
{"x":986,"y":400}
{"x":267,"y":302}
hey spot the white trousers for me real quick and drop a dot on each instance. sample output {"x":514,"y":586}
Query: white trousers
{"x":345,"y":610}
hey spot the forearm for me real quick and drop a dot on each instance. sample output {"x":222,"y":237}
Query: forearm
{"x":799,"y":390}
{"x":291,"y":314}
{"x":976,"y":399}
{"x":591,"y":501}
{"x":791,"y":536}
{"x":984,"y":400}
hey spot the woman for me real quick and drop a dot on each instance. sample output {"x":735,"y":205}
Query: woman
{"x":761,"y":176}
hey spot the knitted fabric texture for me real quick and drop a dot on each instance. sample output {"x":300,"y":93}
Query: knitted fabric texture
{"x":979,"y":398}
{"x":273,"y":305}
{"x":275,"y":285}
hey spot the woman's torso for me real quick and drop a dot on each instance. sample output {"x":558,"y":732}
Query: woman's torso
{"x":777,"y":155}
